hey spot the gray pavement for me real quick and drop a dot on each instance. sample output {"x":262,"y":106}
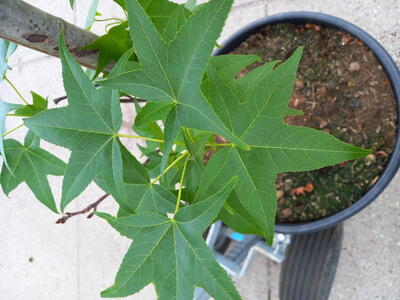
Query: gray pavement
{"x":79,"y":259}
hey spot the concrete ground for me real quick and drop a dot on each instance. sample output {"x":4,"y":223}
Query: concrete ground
{"x":43,"y":261}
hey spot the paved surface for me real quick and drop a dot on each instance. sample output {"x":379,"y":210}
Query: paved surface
{"x":80,"y":258}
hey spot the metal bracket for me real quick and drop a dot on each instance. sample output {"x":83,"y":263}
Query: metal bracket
{"x":236,"y":262}
{"x":240,"y":254}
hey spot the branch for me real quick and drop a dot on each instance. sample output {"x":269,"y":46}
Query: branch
{"x":92,"y":206}
{"x":31,"y":27}
{"x":123,"y":99}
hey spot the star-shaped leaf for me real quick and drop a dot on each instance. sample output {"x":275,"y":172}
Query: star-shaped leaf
{"x":171,"y":253}
{"x":31,"y":164}
{"x":254,"y":110}
{"x":88,"y":126}
{"x":173,"y":72}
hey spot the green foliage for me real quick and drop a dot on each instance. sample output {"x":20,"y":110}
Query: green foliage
{"x":118,"y":36}
{"x":153,"y":112}
{"x":254,"y":107}
{"x":172,"y":73}
{"x":5,"y":108}
{"x":88,"y":127}
{"x":6,"y":49}
{"x":214,"y":143}
{"x":167,"y":17}
{"x":31,"y":164}
{"x":171,"y":253}
{"x":39,"y":104}
{"x":142,"y":195}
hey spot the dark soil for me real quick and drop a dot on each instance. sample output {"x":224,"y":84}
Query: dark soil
{"x":342,"y":90}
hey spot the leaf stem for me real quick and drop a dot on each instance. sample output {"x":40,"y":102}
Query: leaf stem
{"x":110,"y":24}
{"x":169,"y":167}
{"x":15,"y":90}
{"x":109,"y":19}
{"x":12,"y":130}
{"x":161,"y":141}
{"x":178,"y":200}
{"x":139,"y":137}
{"x":220,"y":145}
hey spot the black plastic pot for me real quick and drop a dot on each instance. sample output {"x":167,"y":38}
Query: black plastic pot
{"x":393,"y":74}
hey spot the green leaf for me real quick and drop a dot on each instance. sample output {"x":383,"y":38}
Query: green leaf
{"x":255,"y":112}
{"x":237,"y":217}
{"x":171,"y":253}
{"x":172,"y":73}
{"x":167,"y":17}
{"x":31,"y":164}
{"x":71,"y":3}
{"x":111,"y":46}
{"x":141,"y":195}
{"x":294,"y":112}
{"x":39,"y":104}
{"x":91,"y":14}
{"x":153,"y":112}
{"x":5,"y":108}
{"x":195,"y":167}
{"x":7,"y":48}
{"x":87,"y":126}
{"x":150,"y":129}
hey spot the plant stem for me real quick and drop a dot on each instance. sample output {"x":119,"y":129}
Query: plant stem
{"x":139,"y":137}
{"x":178,"y":200}
{"x":220,"y":145}
{"x":92,"y":206}
{"x":169,"y":167}
{"x":161,"y":141}
{"x":110,"y":24}
{"x":15,"y":90}
{"x":12,"y":130}
{"x":109,"y":19}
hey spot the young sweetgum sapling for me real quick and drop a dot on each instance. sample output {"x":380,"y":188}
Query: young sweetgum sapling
{"x":166,"y":204}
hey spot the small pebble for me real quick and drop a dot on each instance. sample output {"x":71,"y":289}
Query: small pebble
{"x":299,"y":84}
{"x":323,"y":124}
{"x":354,"y":66}
{"x":287,"y":185}
{"x":279,"y":194}
{"x":287,"y":212}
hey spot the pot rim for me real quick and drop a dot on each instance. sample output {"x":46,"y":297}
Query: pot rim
{"x":392,"y":72}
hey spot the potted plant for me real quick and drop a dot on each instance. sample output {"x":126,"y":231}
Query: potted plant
{"x":217,"y":155}
{"x":334,"y":85}
{"x":335,"y":94}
